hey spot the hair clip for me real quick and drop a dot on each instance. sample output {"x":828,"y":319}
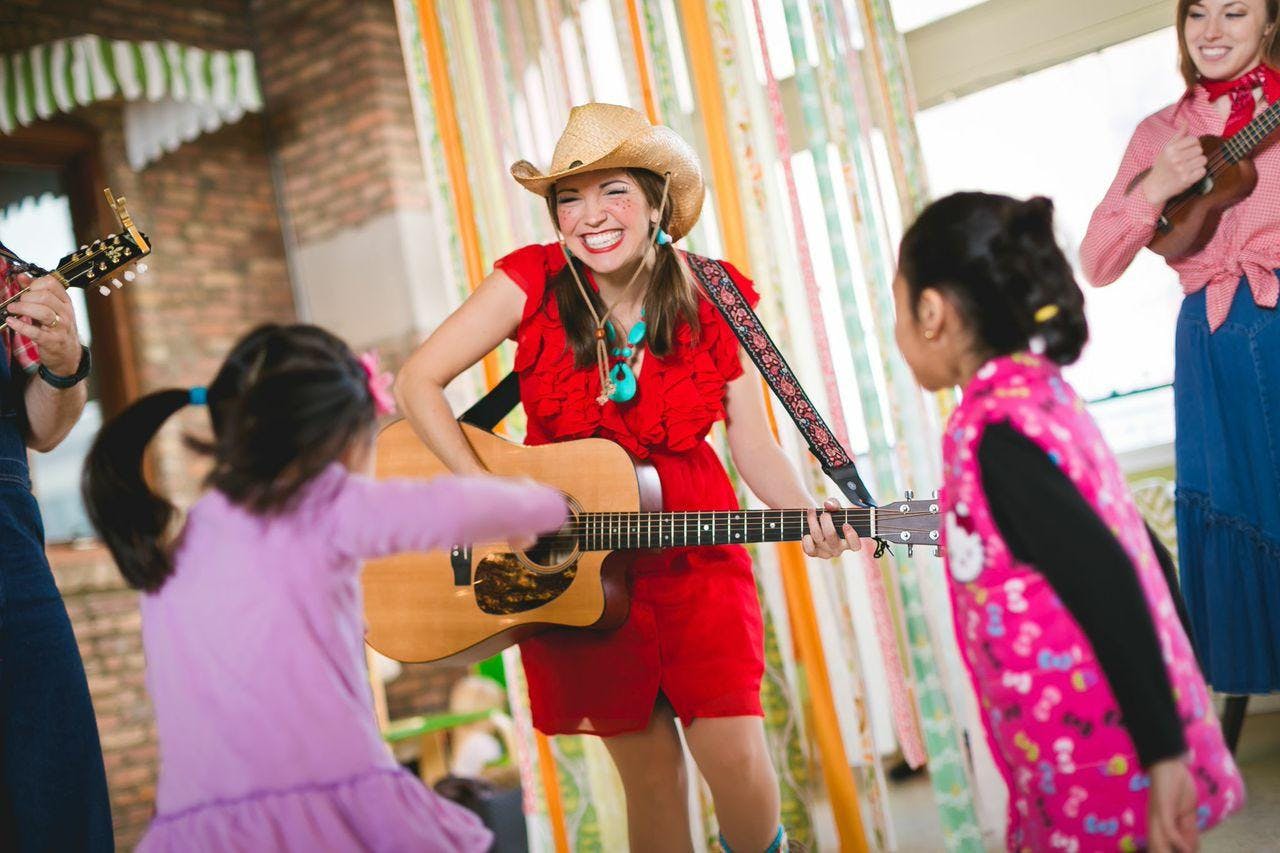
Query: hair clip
{"x":1046,"y":313}
{"x":379,"y":382}
{"x":663,"y":238}
{"x":198,"y":396}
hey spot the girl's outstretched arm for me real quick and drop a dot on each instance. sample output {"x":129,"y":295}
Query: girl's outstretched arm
{"x":374,"y":518}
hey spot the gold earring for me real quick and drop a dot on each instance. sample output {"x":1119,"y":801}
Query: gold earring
{"x":929,"y":334}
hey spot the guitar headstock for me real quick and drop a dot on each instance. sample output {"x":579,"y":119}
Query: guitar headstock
{"x":93,"y":265}
{"x":909,"y":522}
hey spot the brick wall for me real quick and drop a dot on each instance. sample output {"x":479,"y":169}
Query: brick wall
{"x":338,"y":124}
{"x":338,"y":106}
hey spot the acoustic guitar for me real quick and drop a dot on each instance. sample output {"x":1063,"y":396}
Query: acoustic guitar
{"x":466,"y":604}
{"x":1190,"y":218}
{"x":93,"y":265}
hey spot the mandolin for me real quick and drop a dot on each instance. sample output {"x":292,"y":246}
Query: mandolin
{"x":1190,"y":218}
{"x":93,"y":265}
{"x":471,"y":602}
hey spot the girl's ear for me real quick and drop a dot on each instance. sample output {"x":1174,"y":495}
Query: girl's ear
{"x":931,"y":309}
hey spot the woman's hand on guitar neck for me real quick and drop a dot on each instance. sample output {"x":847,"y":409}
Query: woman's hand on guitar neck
{"x":823,"y":540}
{"x":1181,"y":163}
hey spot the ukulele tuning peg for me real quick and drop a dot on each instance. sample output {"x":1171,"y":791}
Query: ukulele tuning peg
{"x":909,"y":494}
{"x":142,"y":269}
{"x":84,"y":248}
{"x":911,"y":549}
{"x":119,"y":284}
{"x":130,"y":275}
{"x":104,"y":290}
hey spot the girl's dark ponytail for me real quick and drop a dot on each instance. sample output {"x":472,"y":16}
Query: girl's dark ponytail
{"x":286,"y":403}
{"x":129,"y":516}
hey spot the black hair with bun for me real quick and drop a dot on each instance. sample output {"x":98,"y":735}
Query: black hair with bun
{"x":997,"y":258}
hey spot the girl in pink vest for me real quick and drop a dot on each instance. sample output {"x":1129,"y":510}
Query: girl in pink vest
{"x":1093,"y":703}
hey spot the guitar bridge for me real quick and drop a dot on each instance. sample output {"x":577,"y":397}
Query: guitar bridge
{"x":460,"y":560}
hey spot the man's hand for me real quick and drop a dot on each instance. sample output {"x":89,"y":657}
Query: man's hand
{"x":45,"y":315}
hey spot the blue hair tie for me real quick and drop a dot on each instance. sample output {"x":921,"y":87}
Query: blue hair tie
{"x":663,"y":238}
{"x":198,"y":396}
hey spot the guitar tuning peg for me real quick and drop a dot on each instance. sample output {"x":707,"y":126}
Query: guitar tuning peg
{"x":104,"y":290}
{"x":130,"y":275}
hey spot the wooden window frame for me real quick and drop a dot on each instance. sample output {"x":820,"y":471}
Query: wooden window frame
{"x":73,"y":148}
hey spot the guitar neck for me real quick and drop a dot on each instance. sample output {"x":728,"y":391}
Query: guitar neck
{"x":618,"y":531}
{"x":1251,"y":135}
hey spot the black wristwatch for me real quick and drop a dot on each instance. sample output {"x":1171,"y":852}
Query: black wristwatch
{"x":74,"y":379}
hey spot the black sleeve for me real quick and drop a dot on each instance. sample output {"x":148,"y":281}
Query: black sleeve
{"x":1048,"y":524}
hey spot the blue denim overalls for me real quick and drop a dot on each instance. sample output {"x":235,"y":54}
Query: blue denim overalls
{"x":53,"y":790}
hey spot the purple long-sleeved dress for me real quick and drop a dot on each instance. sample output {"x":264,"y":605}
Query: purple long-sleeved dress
{"x":256,"y":667}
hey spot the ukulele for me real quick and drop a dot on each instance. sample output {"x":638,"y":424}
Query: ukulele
{"x":1190,"y":218}
{"x":467,"y":604}
{"x":92,"y":265}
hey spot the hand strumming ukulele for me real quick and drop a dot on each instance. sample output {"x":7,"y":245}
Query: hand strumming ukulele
{"x":1190,"y":218}
{"x":469,"y":603}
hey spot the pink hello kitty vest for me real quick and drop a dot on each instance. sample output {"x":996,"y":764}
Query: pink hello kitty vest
{"x":1075,"y":783}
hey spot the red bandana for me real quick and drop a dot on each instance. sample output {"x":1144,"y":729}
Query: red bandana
{"x":1241,"y":92}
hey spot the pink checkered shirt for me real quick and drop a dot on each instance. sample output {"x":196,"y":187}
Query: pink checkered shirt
{"x":1247,"y":241}
{"x":20,"y":349}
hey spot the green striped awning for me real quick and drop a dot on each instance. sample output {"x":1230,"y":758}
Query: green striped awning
{"x":41,"y":81}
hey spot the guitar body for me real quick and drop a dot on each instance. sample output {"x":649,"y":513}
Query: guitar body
{"x":415,"y":610}
{"x":1190,"y":219}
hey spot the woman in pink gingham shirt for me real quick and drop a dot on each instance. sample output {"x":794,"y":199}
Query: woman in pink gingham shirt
{"x":1227,"y":354}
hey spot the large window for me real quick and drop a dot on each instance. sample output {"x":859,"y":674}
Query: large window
{"x":1060,"y":133}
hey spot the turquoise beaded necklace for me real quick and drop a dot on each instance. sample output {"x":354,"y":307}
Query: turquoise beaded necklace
{"x":624,"y":378}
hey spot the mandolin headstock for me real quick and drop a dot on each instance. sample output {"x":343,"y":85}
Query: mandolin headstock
{"x":94,"y":264}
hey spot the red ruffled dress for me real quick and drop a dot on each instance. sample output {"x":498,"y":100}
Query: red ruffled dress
{"x":694,"y":631}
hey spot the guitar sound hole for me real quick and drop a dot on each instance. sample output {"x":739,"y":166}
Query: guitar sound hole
{"x":503,"y":585}
{"x":549,"y":552}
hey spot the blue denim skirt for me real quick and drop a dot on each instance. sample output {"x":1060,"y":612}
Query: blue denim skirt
{"x":1227,"y":446}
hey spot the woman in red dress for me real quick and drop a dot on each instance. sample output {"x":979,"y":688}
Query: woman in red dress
{"x":620,"y":191}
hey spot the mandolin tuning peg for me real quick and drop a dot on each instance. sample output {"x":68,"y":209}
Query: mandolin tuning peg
{"x":104,"y":290}
{"x":130,"y":275}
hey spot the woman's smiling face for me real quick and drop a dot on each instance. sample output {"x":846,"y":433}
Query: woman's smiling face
{"x":1224,"y":37}
{"x":604,"y":217}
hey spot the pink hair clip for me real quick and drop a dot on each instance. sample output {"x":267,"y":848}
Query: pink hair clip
{"x":380,"y":382}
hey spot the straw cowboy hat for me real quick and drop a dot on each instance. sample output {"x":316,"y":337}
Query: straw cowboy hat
{"x":608,"y":136}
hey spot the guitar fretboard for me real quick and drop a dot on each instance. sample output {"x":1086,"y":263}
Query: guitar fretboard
{"x":606,"y":531}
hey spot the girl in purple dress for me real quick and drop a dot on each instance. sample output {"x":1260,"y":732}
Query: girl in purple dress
{"x":252,"y":617}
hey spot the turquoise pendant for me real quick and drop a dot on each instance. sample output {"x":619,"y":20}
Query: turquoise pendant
{"x":624,"y":383}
